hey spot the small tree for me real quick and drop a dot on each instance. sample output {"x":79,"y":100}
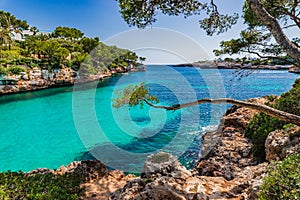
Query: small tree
{"x":67,"y":33}
{"x":139,"y":95}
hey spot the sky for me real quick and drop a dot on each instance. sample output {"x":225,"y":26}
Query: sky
{"x":101,"y":18}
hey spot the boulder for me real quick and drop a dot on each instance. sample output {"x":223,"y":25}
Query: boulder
{"x":164,"y":164}
{"x":282,"y":143}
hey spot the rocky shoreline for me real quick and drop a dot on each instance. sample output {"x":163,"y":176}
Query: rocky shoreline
{"x":229,"y":65}
{"x":36,"y":79}
{"x":226,"y":170}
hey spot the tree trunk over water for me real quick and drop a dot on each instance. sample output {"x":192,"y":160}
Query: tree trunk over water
{"x":287,"y":117}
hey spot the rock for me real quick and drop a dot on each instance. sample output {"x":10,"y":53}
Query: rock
{"x":89,"y":169}
{"x":226,"y":151}
{"x":282,"y":143}
{"x":40,"y":171}
{"x":10,"y":89}
{"x":25,"y":77}
{"x":109,"y":183}
{"x":164,"y":164}
{"x":294,"y":69}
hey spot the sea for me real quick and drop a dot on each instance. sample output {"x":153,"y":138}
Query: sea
{"x":54,"y":127}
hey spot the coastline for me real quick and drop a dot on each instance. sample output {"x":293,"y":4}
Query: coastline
{"x":238,"y":66}
{"x":226,"y":168}
{"x":43,"y":79}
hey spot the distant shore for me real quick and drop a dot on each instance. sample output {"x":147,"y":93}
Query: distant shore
{"x":230,"y":65}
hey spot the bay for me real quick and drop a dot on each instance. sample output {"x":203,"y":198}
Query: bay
{"x":53,"y":127}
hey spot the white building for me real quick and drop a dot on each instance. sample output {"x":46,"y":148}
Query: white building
{"x":26,"y":33}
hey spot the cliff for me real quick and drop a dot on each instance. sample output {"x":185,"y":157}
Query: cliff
{"x":36,"y":79}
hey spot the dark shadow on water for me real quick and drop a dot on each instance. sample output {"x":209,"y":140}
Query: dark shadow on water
{"x":142,"y":147}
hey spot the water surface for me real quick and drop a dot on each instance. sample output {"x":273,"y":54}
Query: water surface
{"x":39,"y":129}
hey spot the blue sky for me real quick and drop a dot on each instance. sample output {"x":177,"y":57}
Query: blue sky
{"x":101,"y":18}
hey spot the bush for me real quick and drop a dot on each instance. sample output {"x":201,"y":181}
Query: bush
{"x":3,"y":70}
{"x":261,"y":125}
{"x":10,"y":54}
{"x":283,"y":180}
{"x":258,"y":130}
{"x":16,"y":70}
{"x":17,"y":185}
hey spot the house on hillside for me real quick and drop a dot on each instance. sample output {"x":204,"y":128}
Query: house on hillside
{"x":26,"y":33}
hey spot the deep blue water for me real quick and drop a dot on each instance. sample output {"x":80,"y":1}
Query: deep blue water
{"x":54,"y":127}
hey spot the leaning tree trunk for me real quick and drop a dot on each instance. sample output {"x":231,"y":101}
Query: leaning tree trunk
{"x":287,"y":117}
{"x":274,"y":27}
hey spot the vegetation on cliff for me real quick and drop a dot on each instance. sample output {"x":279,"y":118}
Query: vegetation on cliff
{"x":283,"y":180}
{"x":261,"y":125}
{"x":23,"y":46}
{"x":17,"y":185}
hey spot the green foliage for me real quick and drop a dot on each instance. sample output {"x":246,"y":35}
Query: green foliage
{"x":142,"y":13}
{"x":3,"y":70}
{"x":65,"y":47}
{"x":17,"y":185}
{"x":16,"y":70}
{"x":277,"y":8}
{"x":261,"y":125}
{"x":285,"y":12}
{"x":88,"y":44}
{"x":283,"y":180}
{"x":258,"y":130}
{"x":10,"y":54}
{"x":66,"y":32}
{"x":254,"y":42}
{"x":134,"y":95}
{"x":218,"y":23}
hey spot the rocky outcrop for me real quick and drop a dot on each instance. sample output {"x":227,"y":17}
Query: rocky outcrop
{"x":36,"y":79}
{"x":282,"y":143}
{"x":226,"y":170}
{"x":173,"y":181}
{"x":226,"y":151}
{"x":294,"y":69}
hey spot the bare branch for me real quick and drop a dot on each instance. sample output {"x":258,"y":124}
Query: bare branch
{"x":287,"y":117}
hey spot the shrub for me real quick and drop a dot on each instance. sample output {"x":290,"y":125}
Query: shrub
{"x":10,"y":54}
{"x":17,"y":185}
{"x":261,"y":125}
{"x":283,"y":180}
{"x":258,"y":130}
{"x":16,"y":70}
{"x":3,"y":70}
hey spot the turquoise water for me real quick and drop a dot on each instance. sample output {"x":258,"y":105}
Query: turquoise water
{"x":54,"y":127}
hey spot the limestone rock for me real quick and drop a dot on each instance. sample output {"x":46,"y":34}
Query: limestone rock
{"x":88,"y":169}
{"x":282,"y":143}
{"x":164,"y":164}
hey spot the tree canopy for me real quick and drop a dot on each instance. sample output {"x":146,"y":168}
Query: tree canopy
{"x":267,"y":21}
{"x":64,"y":47}
{"x":66,"y":32}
